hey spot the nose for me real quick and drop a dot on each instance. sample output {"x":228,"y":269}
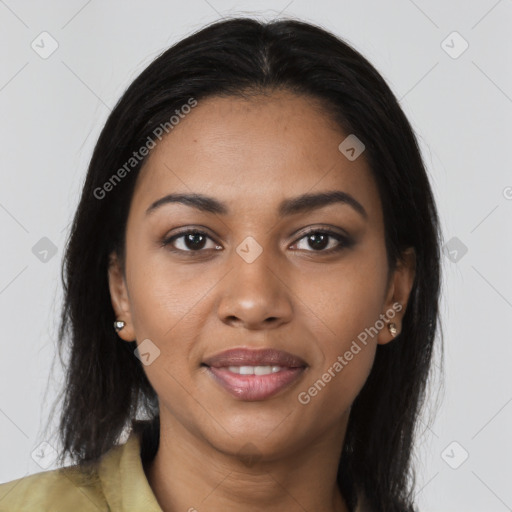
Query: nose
{"x":255,"y":295}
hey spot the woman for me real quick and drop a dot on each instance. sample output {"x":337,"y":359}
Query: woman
{"x":251,"y":287}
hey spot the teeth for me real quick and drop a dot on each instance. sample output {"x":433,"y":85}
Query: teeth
{"x":247,"y":370}
{"x":254,"y":370}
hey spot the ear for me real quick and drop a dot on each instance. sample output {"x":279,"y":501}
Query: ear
{"x":119,"y":298}
{"x":397,"y":297}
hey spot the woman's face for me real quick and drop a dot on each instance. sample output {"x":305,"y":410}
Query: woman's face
{"x":257,"y":278}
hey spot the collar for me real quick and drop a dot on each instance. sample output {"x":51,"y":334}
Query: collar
{"x":123,"y":480}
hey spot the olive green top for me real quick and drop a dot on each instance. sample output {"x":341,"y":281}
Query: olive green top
{"x":118,"y":484}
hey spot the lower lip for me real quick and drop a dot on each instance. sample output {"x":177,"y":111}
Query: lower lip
{"x":254,"y":387}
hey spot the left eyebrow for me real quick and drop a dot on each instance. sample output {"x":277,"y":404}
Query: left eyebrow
{"x":308,"y":202}
{"x":291,"y":206}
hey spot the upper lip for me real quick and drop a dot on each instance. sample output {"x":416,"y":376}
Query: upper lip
{"x":254,"y":357}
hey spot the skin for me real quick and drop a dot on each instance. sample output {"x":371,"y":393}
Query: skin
{"x":252,"y":154}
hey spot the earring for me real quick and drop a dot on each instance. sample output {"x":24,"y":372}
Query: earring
{"x":392,"y":329}
{"x":119,"y":324}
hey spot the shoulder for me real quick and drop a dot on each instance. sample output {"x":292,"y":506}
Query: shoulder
{"x":115,"y":480}
{"x":57,"y":490}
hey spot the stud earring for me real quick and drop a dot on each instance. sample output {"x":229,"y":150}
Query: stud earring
{"x":392,"y":329}
{"x":119,"y":324}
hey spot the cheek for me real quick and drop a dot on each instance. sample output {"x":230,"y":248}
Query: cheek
{"x":161,"y":294}
{"x":348,"y":298}
{"x":347,"y":346}
{"x":167,"y":308}
{"x":170,"y":305}
{"x":348,"y":302}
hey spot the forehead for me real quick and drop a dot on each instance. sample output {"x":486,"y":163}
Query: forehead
{"x":252,"y":152}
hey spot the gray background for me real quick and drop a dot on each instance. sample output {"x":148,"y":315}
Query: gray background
{"x":52,"y":110}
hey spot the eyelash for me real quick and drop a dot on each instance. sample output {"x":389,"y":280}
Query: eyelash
{"x":344,"y":241}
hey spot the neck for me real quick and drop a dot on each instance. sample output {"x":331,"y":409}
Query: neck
{"x":188,"y":473}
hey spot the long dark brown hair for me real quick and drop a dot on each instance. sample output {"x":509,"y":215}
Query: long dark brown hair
{"x":106,"y":391}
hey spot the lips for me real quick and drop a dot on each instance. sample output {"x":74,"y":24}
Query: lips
{"x":261,"y":357}
{"x":254,"y":374}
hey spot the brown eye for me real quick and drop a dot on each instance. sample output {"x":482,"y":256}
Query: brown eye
{"x":190,"y":241}
{"x":194,"y":241}
{"x":323,"y":241}
{"x":318,"y":241}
